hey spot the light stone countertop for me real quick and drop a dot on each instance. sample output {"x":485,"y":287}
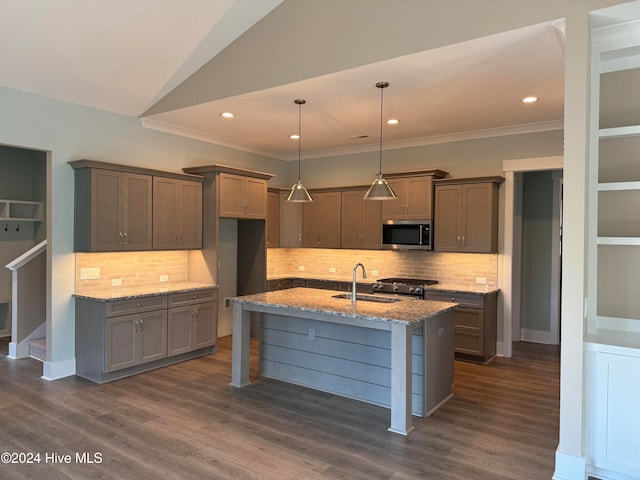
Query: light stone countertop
{"x":144,"y":291}
{"x":407,"y":310}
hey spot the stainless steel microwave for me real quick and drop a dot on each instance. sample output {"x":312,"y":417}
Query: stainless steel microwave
{"x":407,"y":234}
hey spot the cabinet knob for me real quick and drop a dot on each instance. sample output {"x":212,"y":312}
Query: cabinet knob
{"x":453,"y":299}
{"x":194,"y":297}
{"x":138,"y":305}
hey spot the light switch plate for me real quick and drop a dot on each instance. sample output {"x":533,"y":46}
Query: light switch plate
{"x":375,"y":273}
{"x":332,"y":270}
{"x":164,"y":278}
{"x":301,"y":268}
{"x":481,"y":280}
{"x":116,"y":282}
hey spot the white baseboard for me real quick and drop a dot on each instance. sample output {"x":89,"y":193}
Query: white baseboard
{"x":536,"y":336}
{"x":569,"y":467}
{"x":57,"y":370}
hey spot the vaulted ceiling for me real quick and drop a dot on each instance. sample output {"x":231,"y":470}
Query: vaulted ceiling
{"x":150,"y":59}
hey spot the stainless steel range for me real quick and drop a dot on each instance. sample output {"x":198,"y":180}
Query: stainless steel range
{"x":402,"y":286}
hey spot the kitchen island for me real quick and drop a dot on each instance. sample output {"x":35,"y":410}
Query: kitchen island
{"x":398,"y":355}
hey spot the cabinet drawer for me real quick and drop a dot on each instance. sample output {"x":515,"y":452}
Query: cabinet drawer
{"x":469,"y":342}
{"x":463,"y":299}
{"x":135,"y":305}
{"x":322,"y":284}
{"x":194,"y":296}
{"x":469,"y":319}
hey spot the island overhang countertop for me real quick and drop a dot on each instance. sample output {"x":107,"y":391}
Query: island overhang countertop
{"x":400,"y":318}
{"x":406,"y":310}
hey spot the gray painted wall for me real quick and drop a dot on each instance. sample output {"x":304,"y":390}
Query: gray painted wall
{"x":536,"y":250}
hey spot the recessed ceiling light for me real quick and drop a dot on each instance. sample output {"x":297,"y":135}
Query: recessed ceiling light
{"x":393,"y":121}
{"x":529,"y":99}
{"x":295,"y":136}
{"x":227,"y":115}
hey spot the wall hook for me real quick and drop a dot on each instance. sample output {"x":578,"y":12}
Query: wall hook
{"x":18,"y":228}
{"x":6,"y":227}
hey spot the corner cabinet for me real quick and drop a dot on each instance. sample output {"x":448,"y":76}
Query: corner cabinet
{"x":115,"y":208}
{"x":466,"y":215}
{"x":415,"y":195}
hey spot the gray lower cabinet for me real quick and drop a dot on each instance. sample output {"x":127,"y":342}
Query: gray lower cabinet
{"x":119,"y":338}
{"x":475,"y":320}
{"x":135,"y":339}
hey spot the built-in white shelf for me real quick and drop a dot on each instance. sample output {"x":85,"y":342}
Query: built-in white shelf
{"x":614,"y":186}
{"x":20,"y":210}
{"x":630,"y":241}
{"x":619,"y":132}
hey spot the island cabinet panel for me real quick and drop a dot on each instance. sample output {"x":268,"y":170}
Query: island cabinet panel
{"x":351,"y":361}
{"x":177,"y":214}
{"x":321,"y":220}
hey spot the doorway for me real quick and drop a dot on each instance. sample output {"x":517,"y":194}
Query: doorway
{"x":514,"y":257}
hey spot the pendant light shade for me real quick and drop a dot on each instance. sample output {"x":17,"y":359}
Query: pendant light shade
{"x":380,"y":189}
{"x":298,"y":193}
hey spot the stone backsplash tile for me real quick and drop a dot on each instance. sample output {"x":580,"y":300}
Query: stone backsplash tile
{"x":458,"y":268}
{"x":135,"y":269}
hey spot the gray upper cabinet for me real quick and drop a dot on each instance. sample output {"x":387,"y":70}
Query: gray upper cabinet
{"x":177,"y":214}
{"x":242,"y":197}
{"x":466,"y":215}
{"x":113,"y":211}
{"x":415,"y":195}
{"x":321,"y":220}
{"x":361,"y":221}
{"x":115,"y":208}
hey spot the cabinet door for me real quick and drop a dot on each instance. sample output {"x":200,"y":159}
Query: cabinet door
{"x":395,"y":209}
{"x":478,"y":218}
{"x":372,"y":228}
{"x":290,"y":223}
{"x":255,"y":197}
{"x":204,"y":331}
{"x":165,"y":214}
{"x":231,"y":195}
{"x":273,"y":219}
{"x":106,"y":206}
{"x":121,"y":338}
{"x":152,"y":336}
{"x":190,"y":215}
{"x":137,"y":212}
{"x":331,"y":220}
{"x":180,"y":330}
{"x":448,"y":203}
{"x":352,"y":219}
{"x":312,"y":222}
{"x":419,"y":195}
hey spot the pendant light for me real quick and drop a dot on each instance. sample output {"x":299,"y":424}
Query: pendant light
{"x":380,"y":189}
{"x":298,"y":192}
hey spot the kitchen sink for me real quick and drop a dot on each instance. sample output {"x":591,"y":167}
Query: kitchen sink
{"x":369,"y":298}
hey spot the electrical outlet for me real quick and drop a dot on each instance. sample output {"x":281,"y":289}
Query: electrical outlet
{"x":375,"y":273}
{"x":481,"y":280}
{"x":332,"y":269}
{"x":164,"y":278}
{"x":116,"y":282}
{"x":301,"y":268}
{"x":312,"y":333}
{"x":227,"y":303}
{"x":89,"y":273}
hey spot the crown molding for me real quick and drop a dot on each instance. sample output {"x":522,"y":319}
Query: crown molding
{"x":388,"y":145}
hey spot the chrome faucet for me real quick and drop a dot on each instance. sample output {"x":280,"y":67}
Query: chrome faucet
{"x":353,"y":289}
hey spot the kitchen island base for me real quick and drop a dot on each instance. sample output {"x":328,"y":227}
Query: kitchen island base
{"x":404,"y":366}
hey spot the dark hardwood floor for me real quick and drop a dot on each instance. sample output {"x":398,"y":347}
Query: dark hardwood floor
{"x":186,"y":422}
